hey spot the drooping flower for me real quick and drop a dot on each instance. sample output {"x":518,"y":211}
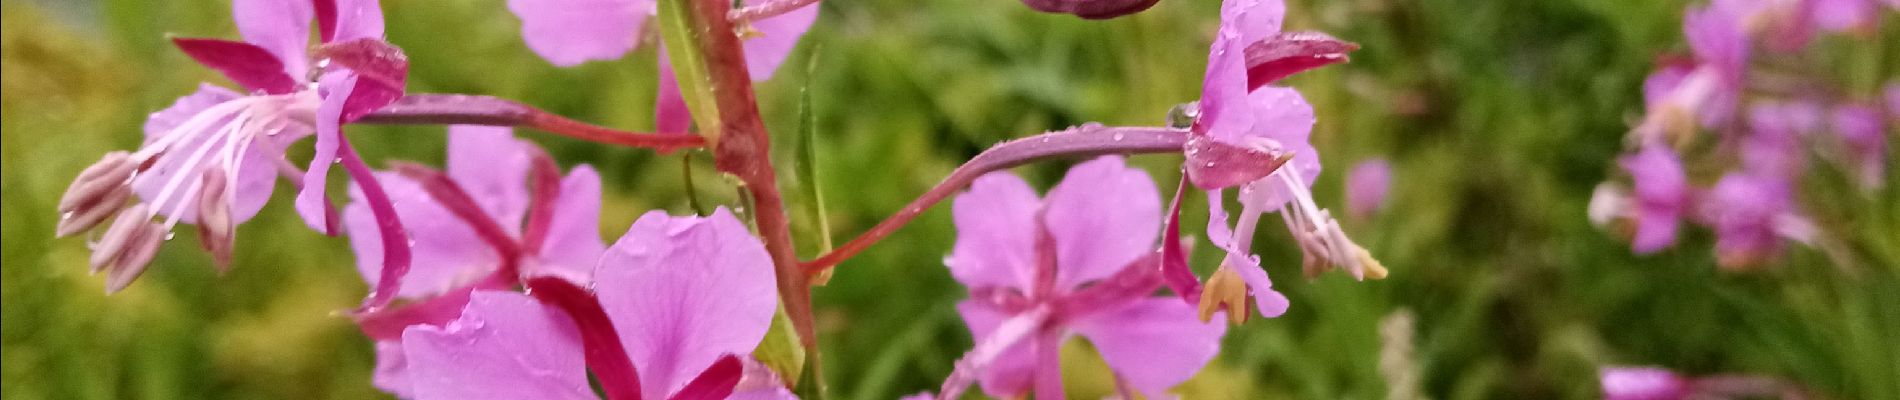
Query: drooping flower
{"x":1240,"y":116}
{"x":212,"y":158}
{"x":1078,"y":262}
{"x":1643,"y":383}
{"x":1366,"y":186}
{"x":678,"y":299}
{"x":501,"y":211}
{"x":1661,"y":196}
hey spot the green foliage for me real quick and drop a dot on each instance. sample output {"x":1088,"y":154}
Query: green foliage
{"x":1499,"y":117}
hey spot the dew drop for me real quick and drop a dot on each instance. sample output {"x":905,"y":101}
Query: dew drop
{"x":65,"y":216}
{"x":170,"y":235}
{"x":1210,"y":164}
{"x":1119,"y":136}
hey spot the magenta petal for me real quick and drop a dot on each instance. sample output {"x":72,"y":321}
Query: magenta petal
{"x":670,"y":114}
{"x":491,"y":165}
{"x":1103,"y":215}
{"x":1366,"y":186}
{"x":481,"y":355}
{"x":776,"y":38}
{"x":1717,"y":40}
{"x":1214,"y":164}
{"x":715,"y":383}
{"x":1643,"y":383}
{"x":251,"y":66}
{"x":1285,"y":118}
{"x":278,"y":26}
{"x":996,"y":222}
{"x":1844,"y":15}
{"x":392,"y":369}
{"x":1660,"y":84}
{"x":1270,"y":303}
{"x":447,"y":253}
{"x":1662,"y":195}
{"x":573,"y":244}
{"x":355,"y":19}
{"x":1255,"y":20}
{"x":381,"y":69}
{"x":1010,"y":374}
{"x":1285,"y":54}
{"x":1154,"y":344}
{"x":313,"y":202}
{"x":682,"y":291}
{"x":1223,"y":107}
{"x":570,"y":32}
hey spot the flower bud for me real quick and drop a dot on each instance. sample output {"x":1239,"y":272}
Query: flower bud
{"x":98,"y":192}
{"x":215,"y":228}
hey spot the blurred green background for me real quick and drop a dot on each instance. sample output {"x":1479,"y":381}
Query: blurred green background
{"x":1499,"y":117}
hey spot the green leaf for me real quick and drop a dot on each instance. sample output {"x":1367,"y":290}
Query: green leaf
{"x":806,"y":154}
{"x":689,"y":66}
{"x":780,"y":350}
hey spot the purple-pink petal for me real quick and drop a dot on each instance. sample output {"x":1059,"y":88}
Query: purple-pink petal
{"x":573,"y":244}
{"x":392,"y":369}
{"x":1662,"y":195}
{"x":313,"y":202}
{"x":1154,"y":343}
{"x":278,"y":26}
{"x":570,"y":32}
{"x":1642,"y":383}
{"x":357,"y":19}
{"x":491,"y":165}
{"x":447,"y":253}
{"x":1011,"y":373}
{"x":1861,"y":130}
{"x":1285,"y":118}
{"x":1366,"y":186}
{"x":1256,"y":20}
{"x":1844,"y":15}
{"x":1103,"y":216}
{"x":777,"y":36}
{"x":682,"y":291}
{"x":1773,"y":145}
{"x":996,"y":222}
{"x":505,"y":346}
{"x":1660,"y":84}
{"x":1742,"y":208}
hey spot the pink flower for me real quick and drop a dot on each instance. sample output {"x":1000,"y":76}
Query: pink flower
{"x":677,"y":300}
{"x":1662,"y":195}
{"x":1750,"y":213}
{"x":502,"y":210}
{"x":1643,"y":383}
{"x":1366,"y":186}
{"x":1077,"y":262}
{"x":1860,"y":129}
{"x":1255,"y":136}
{"x":212,"y":157}
{"x":1772,"y":145}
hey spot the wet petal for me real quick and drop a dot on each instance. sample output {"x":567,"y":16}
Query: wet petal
{"x":1154,"y":343}
{"x":357,"y":19}
{"x":1103,"y":215}
{"x":570,"y":32}
{"x":480,"y":356}
{"x":280,"y":27}
{"x":684,"y":290}
{"x":996,"y":222}
{"x":313,"y":201}
{"x":1285,"y":118}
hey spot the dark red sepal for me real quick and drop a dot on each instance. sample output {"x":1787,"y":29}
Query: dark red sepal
{"x":605,"y":356}
{"x":1290,"y":53}
{"x":381,"y":69}
{"x":1214,"y":164}
{"x":715,"y":383}
{"x":245,"y":63}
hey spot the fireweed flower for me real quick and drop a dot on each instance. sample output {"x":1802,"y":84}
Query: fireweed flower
{"x":500,"y":211}
{"x":1643,"y":383}
{"x":1236,"y":117}
{"x":683,"y":297}
{"x":211,"y":158}
{"x":1076,"y":262}
{"x":1772,"y":144}
{"x":1366,"y":187}
{"x":1681,"y":96}
{"x":1862,"y":135}
{"x":1751,"y":214}
{"x":1662,"y":195}
{"x":570,"y":32}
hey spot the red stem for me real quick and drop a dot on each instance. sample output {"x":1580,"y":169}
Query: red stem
{"x":1085,"y":141}
{"x":486,"y":110}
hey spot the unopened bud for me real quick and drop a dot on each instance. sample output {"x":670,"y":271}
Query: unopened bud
{"x":128,"y":245}
{"x":1225,"y":290}
{"x":98,"y":191}
{"x":215,"y":229}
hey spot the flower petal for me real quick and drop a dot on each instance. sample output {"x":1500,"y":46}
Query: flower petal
{"x":777,"y":37}
{"x":684,"y":290}
{"x":1103,"y":215}
{"x":1153,"y":343}
{"x":996,"y":222}
{"x":1286,"y":119}
{"x":491,"y":165}
{"x":573,"y":244}
{"x":447,"y":253}
{"x":480,"y":356}
{"x":392,"y":369}
{"x":1366,"y":186}
{"x":356,"y":19}
{"x":1011,"y":372}
{"x":570,"y":32}
{"x":280,"y":27}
